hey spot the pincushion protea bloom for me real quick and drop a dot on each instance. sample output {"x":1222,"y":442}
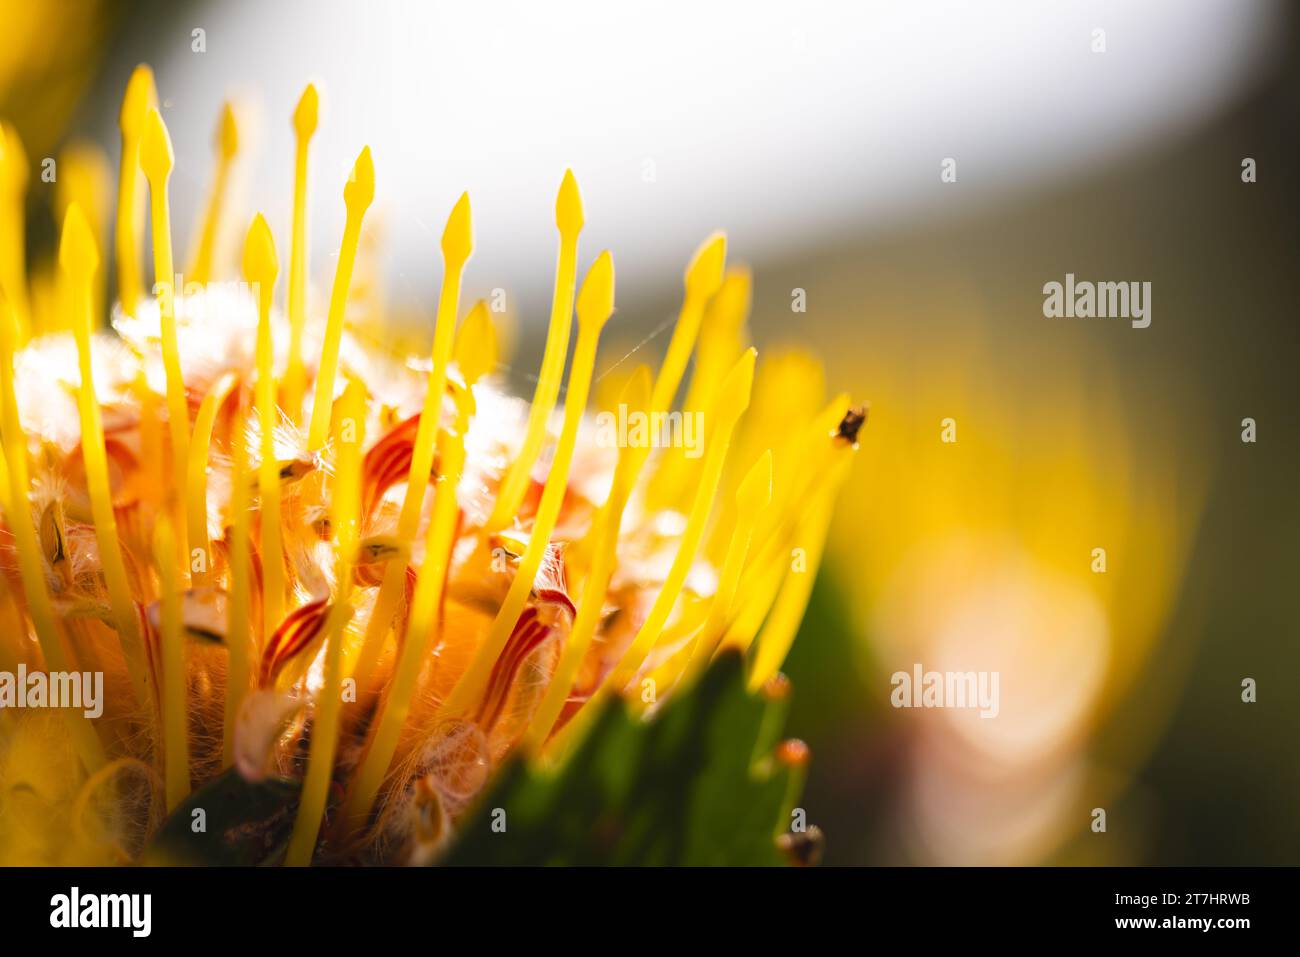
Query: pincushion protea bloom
{"x":300,"y":558}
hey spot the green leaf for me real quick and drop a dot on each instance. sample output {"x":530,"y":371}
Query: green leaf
{"x":244,"y":823}
{"x":697,"y":785}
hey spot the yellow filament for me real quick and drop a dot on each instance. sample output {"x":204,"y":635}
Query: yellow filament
{"x":175,"y":706}
{"x":568,"y":218}
{"x":357,"y":196}
{"x":720,"y":342}
{"x":475,"y":350}
{"x":733,"y":395}
{"x":139,"y":99}
{"x":237,"y":625}
{"x":800,"y":468}
{"x":227,"y":148}
{"x":783,"y":622}
{"x":788,"y":390}
{"x":760,"y":583}
{"x":84,"y":179}
{"x":424,"y":624}
{"x":457,"y":244}
{"x":779,"y":527}
{"x":196,"y":496}
{"x":79,"y":259}
{"x":730,"y":404}
{"x":14,"y":174}
{"x":752,"y":497}
{"x":703,"y":278}
{"x":31,"y":567}
{"x":344,"y":506}
{"x":595,"y":305}
{"x":636,"y":397}
{"x":305,"y":116}
{"x":157,"y":160}
{"x":260,"y":269}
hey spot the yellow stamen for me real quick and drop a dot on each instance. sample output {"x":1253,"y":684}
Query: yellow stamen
{"x":424,"y":624}
{"x":238,"y":632}
{"x":175,"y":693}
{"x":760,"y":583}
{"x":568,"y":217}
{"x":344,"y":506}
{"x":305,"y":117}
{"x":196,"y":496}
{"x":752,"y":497}
{"x":157,"y":160}
{"x":227,"y":147}
{"x":720,"y":342}
{"x":789,"y":387}
{"x":49,"y":633}
{"x":457,"y":244}
{"x":635,"y":397}
{"x":810,"y":457}
{"x":80,"y":259}
{"x":779,"y":630}
{"x":357,"y":196}
{"x":140,"y":97}
{"x":14,"y":174}
{"x":476,"y":345}
{"x":151,"y":445}
{"x":595,"y":306}
{"x":260,"y":269}
{"x":703,"y":278}
{"x":731,"y":401}
{"x":800,"y":466}
{"x":84,"y":179}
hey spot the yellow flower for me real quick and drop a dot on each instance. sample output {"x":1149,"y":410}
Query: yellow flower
{"x":292,"y":552}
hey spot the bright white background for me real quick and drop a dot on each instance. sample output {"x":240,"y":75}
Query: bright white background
{"x":788,"y":124}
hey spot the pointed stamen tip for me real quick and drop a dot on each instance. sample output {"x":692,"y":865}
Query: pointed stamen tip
{"x":732,"y":397}
{"x":13,"y":159}
{"x":156,"y":156}
{"x":635,"y":394}
{"x":755,"y":490}
{"x":476,"y":344}
{"x":307,"y":113}
{"x":359,"y":192}
{"x":743,"y":371}
{"x":228,"y":131}
{"x":735,"y":292}
{"x":568,"y":206}
{"x":353,"y":401}
{"x":704,"y":274}
{"x":851,"y":424}
{"x":78,"y":251}
{"x":458,"y":236}
{"x":596,"y":300}
{"x":141,"y":94}
{"x":260,"y":262}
